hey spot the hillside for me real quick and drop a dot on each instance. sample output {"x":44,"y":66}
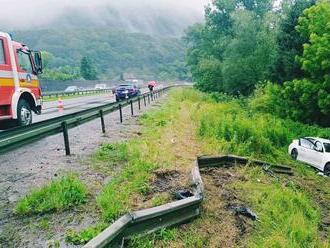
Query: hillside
{"x":112,"y":51}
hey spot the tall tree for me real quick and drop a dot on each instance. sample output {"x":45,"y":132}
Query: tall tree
{"x":87,"y":69}
{"x":290,"y":42}
{"x":231,"y":52}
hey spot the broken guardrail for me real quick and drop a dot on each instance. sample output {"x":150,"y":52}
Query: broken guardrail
{"x":146,"y":221}
{"x":20,"y":136}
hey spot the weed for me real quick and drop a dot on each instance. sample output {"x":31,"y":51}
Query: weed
{"x":82,"y":237}
{"x":149,"y":241}
{"x":58,"y":195}
{"x":160,"y":199}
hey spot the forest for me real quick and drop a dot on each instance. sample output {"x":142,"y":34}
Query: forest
{"x":111,"y":52}
{"x":275,"y":54}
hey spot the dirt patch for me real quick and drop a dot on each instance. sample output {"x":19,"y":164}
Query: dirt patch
{"x":166,"y":181}
{"x":227,"y":227}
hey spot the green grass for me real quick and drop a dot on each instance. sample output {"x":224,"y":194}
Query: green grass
{"x":85,"y":235}
{"x":288,"y":217}
{"x":114,"y":199}
{"x":164,"y":235}
{"x":289,"y":212}
{"x":109,"y":156}
{"x":58,"y":195}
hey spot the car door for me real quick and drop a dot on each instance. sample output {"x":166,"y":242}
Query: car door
{"x":304,"y":152}
{"x":316,"y":154}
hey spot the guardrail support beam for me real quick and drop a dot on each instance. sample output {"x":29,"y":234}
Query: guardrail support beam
{"x":102,"y":121}
{"x":120,"y":113}
{"x":144,"y":99}
{"x":132,"y":109}
{"x":66,"y":138}
{"x":139,"y":103}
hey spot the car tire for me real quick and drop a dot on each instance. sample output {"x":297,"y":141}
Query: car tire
{"x":24,"y":113}
{"x":327,"y":169}
{"x":294,"y":154}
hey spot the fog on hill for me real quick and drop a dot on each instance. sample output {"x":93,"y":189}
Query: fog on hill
{"x":160,"y":17}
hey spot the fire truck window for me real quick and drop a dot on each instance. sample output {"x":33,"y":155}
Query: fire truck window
{"x":2,"y":53}
{"x":24,"y":62}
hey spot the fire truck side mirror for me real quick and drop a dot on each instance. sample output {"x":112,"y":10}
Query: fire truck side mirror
{"x":38,"y":62}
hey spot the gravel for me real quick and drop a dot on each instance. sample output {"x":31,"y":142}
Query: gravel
{"x":36,"y":164}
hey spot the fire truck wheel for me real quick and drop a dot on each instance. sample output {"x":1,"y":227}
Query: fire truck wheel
{"x":24,"y":113}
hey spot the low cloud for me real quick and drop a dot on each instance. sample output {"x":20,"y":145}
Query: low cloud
{"x":44,"y":13}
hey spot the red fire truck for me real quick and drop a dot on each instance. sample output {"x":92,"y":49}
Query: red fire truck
{"x":20,"y":93}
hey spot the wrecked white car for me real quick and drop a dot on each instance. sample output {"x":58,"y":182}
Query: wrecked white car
{"x":313,"y":151}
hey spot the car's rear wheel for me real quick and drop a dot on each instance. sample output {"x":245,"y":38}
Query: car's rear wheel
{"x":294,"y":154}
{"x":327,"y":169}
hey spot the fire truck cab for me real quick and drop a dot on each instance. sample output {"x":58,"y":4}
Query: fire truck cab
{"x":20,"y":92}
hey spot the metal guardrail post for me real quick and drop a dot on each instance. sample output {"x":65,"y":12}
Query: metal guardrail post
{"x":102,"y":121}
{"x":66,"y":138}
{"x":120,"y":113}
{"x":139,"y":103}
{"x":148,"y":98}
{"x":144,"y":100}
{"x":152,"y":96}
{"x":132,"y":109}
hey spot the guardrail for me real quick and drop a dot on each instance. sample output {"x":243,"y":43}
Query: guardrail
{"x":74,"y":93}
{"x":20,"y":136}
{"x":153,"y":219}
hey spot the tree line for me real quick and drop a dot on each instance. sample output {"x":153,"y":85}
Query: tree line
{"x":279,"y":55}
{"x":109,"y":53}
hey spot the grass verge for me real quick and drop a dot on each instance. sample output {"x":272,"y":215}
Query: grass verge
{"x":293,"y":211}
{"x":58,"y":195}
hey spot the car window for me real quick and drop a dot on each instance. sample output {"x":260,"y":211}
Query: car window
{"x":2,"y":53}
{"x":306,"y":143}
{"x":327,"y":147}
{"x":318,"y":146}
{"x":24,"y":62}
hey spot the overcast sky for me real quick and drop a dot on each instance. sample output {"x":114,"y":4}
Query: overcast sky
{"x":26,"y":13}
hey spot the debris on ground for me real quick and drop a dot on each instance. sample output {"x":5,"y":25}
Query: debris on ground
{"x":246,"y":212}
{"x":183,"y":194}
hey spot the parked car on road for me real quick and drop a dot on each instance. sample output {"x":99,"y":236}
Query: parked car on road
{"x":126,"y":91}
{"x":71,"y":89}
{"x":313,"y":151}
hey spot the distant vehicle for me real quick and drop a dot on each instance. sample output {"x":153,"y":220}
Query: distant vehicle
{"x":126,"y":91}
{"x":20,"y":92}
{"x":100,"y":86}
{"x":71,"y":89}
{"x":313,"y":151}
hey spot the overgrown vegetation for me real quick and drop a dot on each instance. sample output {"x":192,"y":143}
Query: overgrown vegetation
{"x":290,"y":210}
{"x":60,"y":194}
{"x":244,"y":44}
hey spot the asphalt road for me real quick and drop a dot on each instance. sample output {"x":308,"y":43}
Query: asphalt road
{"x":51,"y":110}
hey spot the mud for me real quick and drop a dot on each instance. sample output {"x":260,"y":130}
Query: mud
{"x":220,"y":202}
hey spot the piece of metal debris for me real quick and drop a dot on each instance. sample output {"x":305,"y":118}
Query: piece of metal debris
{"x":246,"y":212}
{"x":183,"y":194}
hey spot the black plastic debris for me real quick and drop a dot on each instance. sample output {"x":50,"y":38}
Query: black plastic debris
{"x":183,"y":194}
{"x":246,"y":212}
